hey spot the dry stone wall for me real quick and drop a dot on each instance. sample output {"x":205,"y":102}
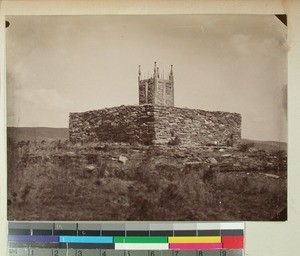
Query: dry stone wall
{"x":197,"y":127}
{"x":117,"y":124}
{"x":149,"y":124}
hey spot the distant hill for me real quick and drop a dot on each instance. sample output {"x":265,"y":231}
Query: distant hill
{"x":37,"y":133}
{"x":266,"y":145}
{"x":50,"y":134}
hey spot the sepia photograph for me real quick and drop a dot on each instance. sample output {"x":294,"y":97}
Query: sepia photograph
{"x":147,"y":117}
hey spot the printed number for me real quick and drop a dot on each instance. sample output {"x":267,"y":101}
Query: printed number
{"x":152,"y":253}
{"x":223,"y":253}
{"x":128,"y":253}
{"x":31,"y":252}
{"x":104,"y":253}
{"x":176,"y":253}
{"x":56,"y":253}
{"x":79,"y":253}
{"x":200,"y":253}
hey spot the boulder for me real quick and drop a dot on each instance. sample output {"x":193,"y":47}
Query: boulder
{"x":90,"y":167}
{"x":227,"y":155}
{"x":123,"y":159}
{"x":212,"y":160}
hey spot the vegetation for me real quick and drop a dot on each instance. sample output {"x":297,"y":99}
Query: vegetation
{"x":244,"y":147}
{"x":62,"y":181}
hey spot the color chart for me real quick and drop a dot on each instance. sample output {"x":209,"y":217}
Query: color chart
{"x":126,"y":239}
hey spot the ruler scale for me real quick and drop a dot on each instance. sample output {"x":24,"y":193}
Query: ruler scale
{"x":126,"y":239}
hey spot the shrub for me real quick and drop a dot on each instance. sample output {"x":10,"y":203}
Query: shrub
{"x":208,"y":175}
{"x":244,"y":147}
{"x":229,"y":142}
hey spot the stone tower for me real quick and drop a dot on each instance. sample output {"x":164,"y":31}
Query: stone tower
{"x":156,"y":90}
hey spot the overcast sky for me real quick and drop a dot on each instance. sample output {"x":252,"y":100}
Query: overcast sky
{"x":62,"y":64}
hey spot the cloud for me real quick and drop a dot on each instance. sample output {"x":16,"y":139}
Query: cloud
{"x":233,"y":63}
{"x":43,"y":99}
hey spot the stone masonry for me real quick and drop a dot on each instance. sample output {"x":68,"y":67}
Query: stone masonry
{"x":156,"y":120}
{"x":156,"y":90}
{"x":149,"y":124}
{"x":117,"y":124}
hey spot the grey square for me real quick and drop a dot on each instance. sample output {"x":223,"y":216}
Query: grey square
{"x":209,"y":253}
{"x":65,"y":226}
{"x":46,"y":226}
{"x":155,"y":253}
{"x":40,"y":252}
{"x":137,"y":226}
{"x":18,"y":225}
{"x":166,"y":253}
{"x":18,"y":245}
{"x":113,"y":226}
{"x":22,"y":251}
{"x":232,"y":253}
{"x":112,"y":253}
{"x":63,"y":252}
{"x":136,"y":253}
{"x":88,"y":252}
{"x":185,"y":253}
{"x":89,"y":226}
{"x":161,"y":226}
{"x":12,"y":252}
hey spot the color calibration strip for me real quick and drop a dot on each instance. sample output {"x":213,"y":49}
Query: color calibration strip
{"x":105,"y":239}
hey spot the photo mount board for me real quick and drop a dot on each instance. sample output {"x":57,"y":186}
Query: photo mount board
{"x":255,"y":230}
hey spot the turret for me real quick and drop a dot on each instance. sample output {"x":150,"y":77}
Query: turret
{"x":155,"y":70}
{"x":171,"y":73}
{"x":139,"y":73}
{"x":156,"y":90}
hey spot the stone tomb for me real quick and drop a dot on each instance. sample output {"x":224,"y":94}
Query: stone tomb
{"x":150,"y":124}
{"x":156,"y":120}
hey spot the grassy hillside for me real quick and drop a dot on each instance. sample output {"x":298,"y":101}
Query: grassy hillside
{"x":62,"y":181}
{"x":266,"y":145}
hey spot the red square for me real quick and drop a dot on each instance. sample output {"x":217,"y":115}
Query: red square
{"x":233,"y":242}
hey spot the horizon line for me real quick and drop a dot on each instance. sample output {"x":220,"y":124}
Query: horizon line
{"x":37,"y":127}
